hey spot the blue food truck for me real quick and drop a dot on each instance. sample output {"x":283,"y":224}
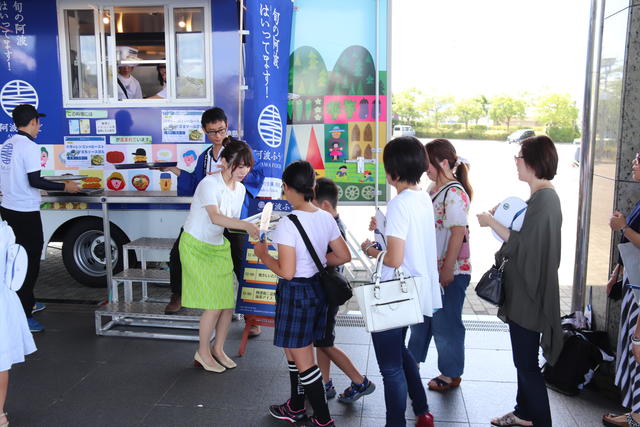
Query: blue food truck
{"x":126,"y":81}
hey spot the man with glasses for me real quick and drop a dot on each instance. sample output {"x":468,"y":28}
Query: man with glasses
{"x":214,"y":124}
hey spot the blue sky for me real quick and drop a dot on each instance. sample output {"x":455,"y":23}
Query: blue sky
{"x":339,"y":24}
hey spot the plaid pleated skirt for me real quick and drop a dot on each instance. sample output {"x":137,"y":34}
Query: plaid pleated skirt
{"x":301,"y":312}
{"x":207,"y":274}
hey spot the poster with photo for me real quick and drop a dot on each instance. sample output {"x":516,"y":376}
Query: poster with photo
{"x":182,"y":126}
{"x":84,"y":152}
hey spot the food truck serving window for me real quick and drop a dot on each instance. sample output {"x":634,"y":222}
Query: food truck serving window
{"x":135,"y":55}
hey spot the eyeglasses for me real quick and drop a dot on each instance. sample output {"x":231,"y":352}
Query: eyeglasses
{"x":214,"y":132}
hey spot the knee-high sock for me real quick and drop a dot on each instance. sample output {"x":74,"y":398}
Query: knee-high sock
{"x":297,"y":391}
{"x":311,"y":380}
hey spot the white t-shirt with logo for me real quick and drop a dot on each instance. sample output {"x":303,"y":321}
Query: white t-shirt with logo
{"x":212,"y":191}
{"x":410,"y":218}
{"x":321,"y":228}
{"x":18,"y":157}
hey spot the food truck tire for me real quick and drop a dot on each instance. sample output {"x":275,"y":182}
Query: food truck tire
{"x":83,"y":252}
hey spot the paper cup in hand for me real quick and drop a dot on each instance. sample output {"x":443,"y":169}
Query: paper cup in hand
{"x":510,"y":213}
{"x":265,"y":218}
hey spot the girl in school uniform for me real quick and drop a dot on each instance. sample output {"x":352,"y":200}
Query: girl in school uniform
{"x":205,"y":254}
{"x":301,"y":305}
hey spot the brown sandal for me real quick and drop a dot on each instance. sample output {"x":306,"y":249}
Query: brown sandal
{"x":438,"y":384}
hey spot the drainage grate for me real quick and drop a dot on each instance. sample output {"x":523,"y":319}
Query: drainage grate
{"x":355,"y":320}
{"x":485,"y":326}
{"x":350,"y":320}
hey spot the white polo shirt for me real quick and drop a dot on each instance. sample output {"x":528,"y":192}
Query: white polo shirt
{"x":19,"y":156}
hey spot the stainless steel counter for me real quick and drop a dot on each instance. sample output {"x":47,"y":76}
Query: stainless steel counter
{"x":161,"y":197}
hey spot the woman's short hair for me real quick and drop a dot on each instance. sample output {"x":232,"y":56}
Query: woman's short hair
{"x":237,"y":153}
{"x":405,"y":159}
{"x":539,"y":153}
{"x":300,"y":177}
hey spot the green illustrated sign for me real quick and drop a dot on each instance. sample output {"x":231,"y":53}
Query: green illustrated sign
{"x":86,"y":114}
{"x":137,"y":140}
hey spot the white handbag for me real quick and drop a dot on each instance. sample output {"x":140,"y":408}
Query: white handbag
{"x":390,"y":304}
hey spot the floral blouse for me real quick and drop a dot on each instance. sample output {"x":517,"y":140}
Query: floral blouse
{"x":451,"y":208}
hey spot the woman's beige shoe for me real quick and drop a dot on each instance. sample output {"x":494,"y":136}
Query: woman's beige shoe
{"x":197,"y":361}
{"x":226,"y":362}
{"x":6,"y":417}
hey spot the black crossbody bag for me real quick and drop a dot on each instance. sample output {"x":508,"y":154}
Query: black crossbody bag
{"x":335,"y":285}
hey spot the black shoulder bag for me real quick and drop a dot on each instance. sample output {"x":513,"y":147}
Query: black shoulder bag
{"x":335,"y":285}
{"x":490,"y":288}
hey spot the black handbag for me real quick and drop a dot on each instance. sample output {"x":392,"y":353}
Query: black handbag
{"x":335,"y":285}
{"x":490,"y":288}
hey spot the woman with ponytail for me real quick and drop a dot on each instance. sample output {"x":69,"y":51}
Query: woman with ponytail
{"x":451,"y":194}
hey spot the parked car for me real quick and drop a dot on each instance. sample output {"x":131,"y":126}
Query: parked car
{"x":403,"y":130}
{"x":520,"y":134}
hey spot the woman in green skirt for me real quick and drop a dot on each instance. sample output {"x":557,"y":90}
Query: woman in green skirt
{"x":207,"y":267}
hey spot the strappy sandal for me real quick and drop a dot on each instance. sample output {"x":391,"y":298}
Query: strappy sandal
{"x":510,"y":420}
{"x":631,"y":421}
{"x":438,"y":384}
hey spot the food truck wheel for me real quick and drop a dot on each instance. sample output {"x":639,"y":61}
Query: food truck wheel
{"x":83,"y":252}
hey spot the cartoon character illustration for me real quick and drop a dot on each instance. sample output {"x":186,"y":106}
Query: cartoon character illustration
{"x":336,"y":143}
{"x":44,"y":156}
{"x":165,"y":181}
{"x":115,"y":181}
{"x":342,"y":171}
{"x":140,"y":156}
{"x":189,"y":157}
{"x":336,"y":151}
{"x":367,"y":177}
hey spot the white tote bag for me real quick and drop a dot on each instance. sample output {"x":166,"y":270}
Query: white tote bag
{"x":390,"y":304}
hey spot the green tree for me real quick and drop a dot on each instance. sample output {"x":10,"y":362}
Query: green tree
{"x":437,"y":108}
{"x":484,"y":103}
{"x":557,"y":110}
{"x":505,"y":108}
{"x":405,"y":105}
{"x":468,"y":110}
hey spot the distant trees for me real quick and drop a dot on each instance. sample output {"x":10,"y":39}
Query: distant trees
{"x":436,"y":108}
{"x":440,"y":114}
{"x":468,"y":110}
{"x":405,"y":105}
{"x":558,"y":113}
{"x":505,"y":108}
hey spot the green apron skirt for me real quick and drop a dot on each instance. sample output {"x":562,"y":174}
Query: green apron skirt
{"x":207,"y":274}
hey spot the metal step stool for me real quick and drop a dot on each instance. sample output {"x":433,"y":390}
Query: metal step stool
{"x":146,"y":320}
{"x":129,"y":275}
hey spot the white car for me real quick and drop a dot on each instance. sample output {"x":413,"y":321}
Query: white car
{"x":403,"y":130}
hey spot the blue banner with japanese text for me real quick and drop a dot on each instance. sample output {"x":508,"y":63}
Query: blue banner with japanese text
{"x":267,"y":77}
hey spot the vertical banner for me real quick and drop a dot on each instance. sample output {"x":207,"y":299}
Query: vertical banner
{"x":267,"y":76}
